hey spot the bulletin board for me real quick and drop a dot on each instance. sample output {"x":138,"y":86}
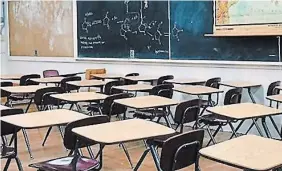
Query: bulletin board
{"x":41,"y":28}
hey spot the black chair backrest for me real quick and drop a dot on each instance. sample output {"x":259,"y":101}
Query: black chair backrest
{"x":164,"y":90}
{"x":42,"y":96}
{"x":70,"y":138}
{"x":7,"y":128}
{"x":50,"y":73}
{"x":272,"y":90}
{"x":68,"y":87}
{"x":187,"y":112}
{"x":110,"y":108}
{"x":174,"y":156}
{"x":5,"y":84}
{"x":163,"y":78}
{"x":109,"y":90}
{"x":129,"y":82}
{"x":213,"y":82}
{"x":233,"y":96}
{"x":25,"y":79}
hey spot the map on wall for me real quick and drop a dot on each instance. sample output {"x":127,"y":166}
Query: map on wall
{"x":241,"y":12}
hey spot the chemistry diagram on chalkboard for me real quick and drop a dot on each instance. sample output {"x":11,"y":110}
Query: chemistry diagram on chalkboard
{"x":134,"y":22}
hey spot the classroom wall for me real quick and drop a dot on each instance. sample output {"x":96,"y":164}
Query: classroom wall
{"x":4,"y":57}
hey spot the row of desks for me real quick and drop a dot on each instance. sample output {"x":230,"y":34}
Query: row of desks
{"x":246,"y":152}
{"x":241,"y":111}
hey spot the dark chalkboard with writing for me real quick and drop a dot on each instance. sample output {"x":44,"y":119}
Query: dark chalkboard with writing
{"x":162,"y":30}
{"x":190,"y":20}
{"x":112,"y":29}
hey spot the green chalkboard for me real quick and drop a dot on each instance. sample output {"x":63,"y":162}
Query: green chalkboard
{"x":162,"y":30}
{"x":190,"y":20}
{"x":110,"y":29}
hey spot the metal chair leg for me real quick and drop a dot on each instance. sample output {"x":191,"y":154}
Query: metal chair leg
{"x":264,"y":125}
{"x":210,"y":134}
{"x":7,"y":164}
{"x":27,"y":143}
{"x":141,"y":159}
{"x":46,"y":136}
{"x":167,"y":121}
{"x":20,"y":167}
{"x":90,"y":152}
{"x":154,"y":155}
{"x":257,"y":126}
{"x":274,"y":124}
{"x":4,"y":140}
{"x":127,"y":154}
{"x":61,"y":131}
{"x":214,"y":134}
{"x":232,"y":129}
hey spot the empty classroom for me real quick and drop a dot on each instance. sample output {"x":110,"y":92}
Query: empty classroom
{"x":141,"y":85}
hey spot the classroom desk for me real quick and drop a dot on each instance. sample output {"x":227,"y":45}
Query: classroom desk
{"x":186,"y":81}
{"x":248,"y":152}
{"x":145,"y":102}
{"x":46,"y":80}
{"x":106,"y":76}
{"x":125,"y":131}
{"x":43,"y":119}
{"x":150,"y":79}
{"x":88,"y":83}
{"x":134,"y":87}
{"x":24,"y":90}
{"x":244,"y":111}
{"x":4,"y":107}
{"x":11,"y":77}
{"x":74,"y":98}
{"x":242,"y":84}
{"x":199,"y":90}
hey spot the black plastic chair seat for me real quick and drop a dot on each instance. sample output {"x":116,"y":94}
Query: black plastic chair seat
{"x":159,"y":141}
{"x":64,"y":164}
{"x":206,"y":103}
{"x":92,"y":107}
{"x":212,"y":120}
{"x":149,"y":113}
{"x":7,"y":152}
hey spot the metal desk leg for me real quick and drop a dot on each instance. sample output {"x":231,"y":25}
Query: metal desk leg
{"x":26,"y":110}
{"x":232,"y":129}
{"x":256,"y":119}
{"x":237,"y":128}
{"x":78,"y":107}
{"x":275,"y":126}
{"x":141,"y":159}
{"x":155,"y":157}
{"x":264,"y":125}
{"x":257,"y":126}
{"x":76,"y":156}
{"x":71,"y":106}
{"x":251,"y":95}
{"x":27,"y":143}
